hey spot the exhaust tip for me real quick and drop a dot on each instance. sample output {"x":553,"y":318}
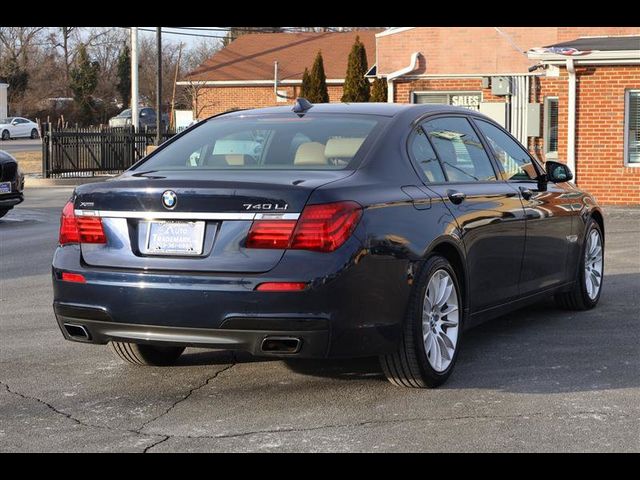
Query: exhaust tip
{"x":77,"y":331}
{"x":288,"y":345}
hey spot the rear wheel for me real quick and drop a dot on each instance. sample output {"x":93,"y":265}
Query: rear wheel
{"x":142,"y":354}
{"x":5,"y":135}
{"x":34,"y":133}
{"x":431,"y":338}
{"x":586,"y":290}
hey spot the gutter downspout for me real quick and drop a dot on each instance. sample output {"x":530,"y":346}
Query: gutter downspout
{"x":571,"y":127}
{"x":398,"y":73}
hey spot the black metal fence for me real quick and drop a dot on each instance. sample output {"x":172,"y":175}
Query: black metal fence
{"x":80,"y":152}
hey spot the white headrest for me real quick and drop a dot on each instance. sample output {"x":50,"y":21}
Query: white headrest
{"x":310,"y":153}
{"x":342,"y":147}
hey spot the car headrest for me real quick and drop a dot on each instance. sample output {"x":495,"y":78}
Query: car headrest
{"x":342,"y":147}
{"x":310,"y":153}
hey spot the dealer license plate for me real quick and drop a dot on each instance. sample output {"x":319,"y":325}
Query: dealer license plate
{"x":175,"y":238}
{"x":5,"y":187}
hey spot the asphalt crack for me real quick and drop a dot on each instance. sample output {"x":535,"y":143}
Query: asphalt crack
{"x":185,"y":397}
{"x":155,"y":444}
{"x":368,"y":423}
{"x":51,"y":407}
{"x":136,"y":431}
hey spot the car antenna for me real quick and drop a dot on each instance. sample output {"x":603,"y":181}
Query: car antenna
{"x":301,"y":106}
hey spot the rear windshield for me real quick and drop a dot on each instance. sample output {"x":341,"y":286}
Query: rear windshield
{"x":320,"y":142}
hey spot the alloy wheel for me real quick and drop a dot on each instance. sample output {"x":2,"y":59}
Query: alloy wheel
{"x":440,"y":320}
{"x":593,"y":264}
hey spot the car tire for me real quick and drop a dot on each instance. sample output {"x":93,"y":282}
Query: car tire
{"x":34,"y":134}
{"x":4,"y":211}
{"x":5,"y":135}
{"x":412,"y":365}
{"x":146,"y":355}
{"x":590,"y":273}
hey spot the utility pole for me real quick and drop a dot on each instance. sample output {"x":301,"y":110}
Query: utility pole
{"x":134,"y":78}
{"x":159,"y":86}
{"x":173,"y":96}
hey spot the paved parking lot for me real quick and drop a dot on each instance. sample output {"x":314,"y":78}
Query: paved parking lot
{"x":540,"y":379}
{"x":21,"y":145}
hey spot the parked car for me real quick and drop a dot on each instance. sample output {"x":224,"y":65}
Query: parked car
{"x":15,"y":127}
{"x":146,"y":118}
{"x":11,"y":183}
{"x":353,"y":230}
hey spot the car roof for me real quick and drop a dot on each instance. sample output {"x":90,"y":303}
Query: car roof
{"x":383,"y":109}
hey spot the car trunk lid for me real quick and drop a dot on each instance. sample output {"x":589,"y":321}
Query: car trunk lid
{"x":213,"y":209}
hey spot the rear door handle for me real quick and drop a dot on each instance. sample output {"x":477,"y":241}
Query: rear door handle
{"x":526,"y":193}
{"x":456,"y":197}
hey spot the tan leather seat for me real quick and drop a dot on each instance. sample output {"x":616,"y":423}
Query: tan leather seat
{"x":234,"y":160}
{"x":310,"y":153}
{"x":342,"y":148}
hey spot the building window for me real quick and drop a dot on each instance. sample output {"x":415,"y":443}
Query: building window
{"x":469,"y":100}
{"x":551,"y":127}
{"x":632,"y":128}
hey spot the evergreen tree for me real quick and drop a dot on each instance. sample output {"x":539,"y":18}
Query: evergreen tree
{"x":318,"y":92}
{"x":306,"y":79}
{"x":356,"y":86}
{"x":379,"y":90}
{"x":83,"y":82}
{"x":124,"y":76}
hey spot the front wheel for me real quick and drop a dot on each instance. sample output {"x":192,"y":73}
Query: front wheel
{"x":431,"y":337}
{"x":4,"y":211}
{"x":588,"y":286}
{"x":6,"y":135}
{"x":149,"y":355}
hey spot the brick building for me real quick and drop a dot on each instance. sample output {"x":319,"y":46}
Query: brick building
{"x":580,"y":105}
{"x":242,"y":74}
{"x":589,"y":119}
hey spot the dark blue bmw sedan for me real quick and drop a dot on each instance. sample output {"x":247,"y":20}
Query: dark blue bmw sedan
{"x":324,"y":231}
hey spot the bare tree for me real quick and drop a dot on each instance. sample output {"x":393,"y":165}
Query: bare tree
{"x":191,"y":96}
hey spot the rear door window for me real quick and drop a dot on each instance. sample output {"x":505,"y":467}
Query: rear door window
{"x":459,"y":149}
{"x":424,"y":156}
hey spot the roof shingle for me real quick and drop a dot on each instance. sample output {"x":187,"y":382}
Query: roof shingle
{"x":252,"y":56}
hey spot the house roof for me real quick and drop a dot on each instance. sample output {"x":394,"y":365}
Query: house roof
{"x":252,"y":56}
{"x":611,"y":44}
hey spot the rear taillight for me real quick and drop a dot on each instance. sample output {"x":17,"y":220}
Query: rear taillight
{"x":270,"y":233}
{"x":322,"y":228}
{"x":75,"y":229}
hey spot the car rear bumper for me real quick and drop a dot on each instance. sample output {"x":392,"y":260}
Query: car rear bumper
{"x":10,"y":200}
{"x":298,"y":337}
{"x":350,"y":309}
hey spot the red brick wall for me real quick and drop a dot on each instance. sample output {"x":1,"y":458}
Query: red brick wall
{"x":214,"y":100}
{"x":478,"y":50}
{"x":404,"y":89}
{"x":599,"y":124}
{"x":600,"y":165}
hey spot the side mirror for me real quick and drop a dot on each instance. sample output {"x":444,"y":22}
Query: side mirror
{"x":15,"y":122}
{"x":557,"y":172}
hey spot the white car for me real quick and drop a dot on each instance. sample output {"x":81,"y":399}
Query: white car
{"x":14,"y":127}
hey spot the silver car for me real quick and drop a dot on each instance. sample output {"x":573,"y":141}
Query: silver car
{"x":15,"y":127}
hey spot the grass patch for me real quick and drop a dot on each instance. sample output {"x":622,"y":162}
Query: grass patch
{"x":29,"y":162}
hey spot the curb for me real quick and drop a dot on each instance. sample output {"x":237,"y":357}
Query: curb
{"x":62,"y":182}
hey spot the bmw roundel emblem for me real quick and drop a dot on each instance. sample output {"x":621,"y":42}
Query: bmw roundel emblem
{"x":169,"y":199}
